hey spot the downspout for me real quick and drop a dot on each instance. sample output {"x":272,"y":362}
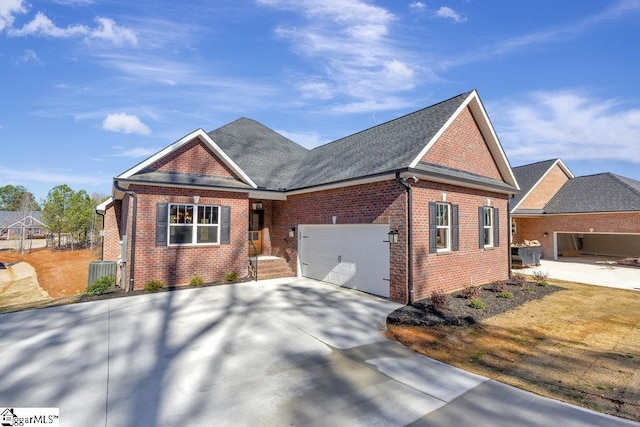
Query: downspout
{"x":102,"y":240}
{"x":133,"y":229}
{"x":509,"y":236}
{"x":406,"y":185}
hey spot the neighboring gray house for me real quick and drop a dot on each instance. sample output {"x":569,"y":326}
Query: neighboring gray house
{"x":12,"y":225}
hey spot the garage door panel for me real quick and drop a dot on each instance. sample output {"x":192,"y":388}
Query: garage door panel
{"x":354,"y":256}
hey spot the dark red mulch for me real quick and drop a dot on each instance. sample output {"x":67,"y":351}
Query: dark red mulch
{"x":458,"y":312}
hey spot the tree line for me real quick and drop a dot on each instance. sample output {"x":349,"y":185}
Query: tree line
{"x":70,"y":216}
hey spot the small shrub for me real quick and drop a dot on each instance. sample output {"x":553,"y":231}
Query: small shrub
{"x":101,"y":285}
{"x":153,"y":286}
{"x":438,"y":299}
{"x":197,"y":281}
{"x":505,"y":294}
{"x":498,"y":286}
{"x":540,"y":277}
{"x":471,"y":292}
{"x":518,"y":279}
{"x":231,"y":277}
{"x":477,"y":304}
{"x":527,"y":290}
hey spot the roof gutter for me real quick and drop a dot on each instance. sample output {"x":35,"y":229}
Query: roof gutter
{"x":407,"y":186}
{"x":133,"y":232}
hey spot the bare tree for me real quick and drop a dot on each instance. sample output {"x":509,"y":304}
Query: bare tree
{"x":26,"y":208}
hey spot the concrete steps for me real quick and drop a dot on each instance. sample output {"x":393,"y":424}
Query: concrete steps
{"x":270,"y":267}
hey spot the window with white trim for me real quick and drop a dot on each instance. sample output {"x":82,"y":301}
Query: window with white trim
{"x":443,"y":225}
{"x":488,"y":227}
{"x":194,"y":224}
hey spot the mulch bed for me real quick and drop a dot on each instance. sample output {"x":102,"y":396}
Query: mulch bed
{"x":457,"y":312}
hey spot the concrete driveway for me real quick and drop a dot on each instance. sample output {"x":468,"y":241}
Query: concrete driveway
{"x":591,"y":272}
{"x":278,"y":352}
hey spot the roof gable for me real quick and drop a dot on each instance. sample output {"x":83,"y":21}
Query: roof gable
{"x":171,"y":149}
{"x":605,"y":192}
{"x":473,"y":103}
{"x":532,"y":175}
{"x":10,"y":219}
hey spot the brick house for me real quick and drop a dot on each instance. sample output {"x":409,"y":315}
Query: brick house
{"x":406,"y":207}
{"x":595,"y":214}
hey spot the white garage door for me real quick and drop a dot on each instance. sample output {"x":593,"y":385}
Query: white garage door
{"x":354,"y":256}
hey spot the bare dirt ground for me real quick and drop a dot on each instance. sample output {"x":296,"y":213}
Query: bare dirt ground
{"x":579,"y":344}
{"x":43,"y":274}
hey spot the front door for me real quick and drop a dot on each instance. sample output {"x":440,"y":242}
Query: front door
{"x":255,"y":232}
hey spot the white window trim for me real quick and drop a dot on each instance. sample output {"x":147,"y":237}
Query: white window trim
{"x":447,"y":227}
{"x":194,"y":225}
{"x":488,"y":227}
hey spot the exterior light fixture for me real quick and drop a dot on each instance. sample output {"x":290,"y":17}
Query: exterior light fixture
{"x":292,"y":232}
{"x":393,"y":236}
{"x":257,"y":206}
{"x":545,"y":234}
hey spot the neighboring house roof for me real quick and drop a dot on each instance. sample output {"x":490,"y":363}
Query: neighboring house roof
{"x":604,"y":192}
{"x":262,"y":159}
{"x":529,"y":176}
{"x":10,"y":219}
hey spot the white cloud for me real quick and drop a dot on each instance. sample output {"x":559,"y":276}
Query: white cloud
{"x":448,"y":13}
{"x":41,"y":25}
{"x":417,"y":7}
{"x":125,"y":123}
{"x":567,"y":124}
{"x":138,"y":152}
{"x":106,"y":29}
{"x":350,"y":43}
{"x":9,"y":8}
{"x":29,"y":56}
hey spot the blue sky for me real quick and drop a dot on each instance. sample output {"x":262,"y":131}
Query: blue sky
{"x":89,"y":88}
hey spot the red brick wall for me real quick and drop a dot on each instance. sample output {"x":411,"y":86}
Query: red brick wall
{"x":534,"y":228}
{"x":196,"y":158}
{"x":470,"y":265}
{"x":385,"y":202}
{"x":376,"y":203}
{"x":462,"y":147}
{"x":545,"y":190}
{"x":177,"y":265}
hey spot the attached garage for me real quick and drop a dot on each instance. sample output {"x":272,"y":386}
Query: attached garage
{"x":621,"y":245}
{"x":355,"y":256}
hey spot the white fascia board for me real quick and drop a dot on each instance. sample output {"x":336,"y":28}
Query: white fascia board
{"x":477,"y":109}
{"x":204,"y":137}
{"x":102,"y":207}
{"x":562,"y":166}
{"x":453,"y":181}
{"x":267,"y":195}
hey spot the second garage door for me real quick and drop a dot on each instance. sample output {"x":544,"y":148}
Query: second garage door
{"x":354,"y":256}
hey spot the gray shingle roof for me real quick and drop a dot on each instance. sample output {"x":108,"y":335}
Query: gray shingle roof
{"x":274,"y":162}
{"x":527,"y":176}
{"x":383,"y":148}
{"x":267,"y":157}
{"x":9,"y":218}
{"x":605,"y":192}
